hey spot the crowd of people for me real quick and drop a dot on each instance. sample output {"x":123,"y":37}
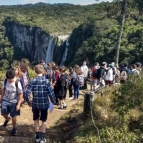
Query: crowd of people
{"x":51,"y":84}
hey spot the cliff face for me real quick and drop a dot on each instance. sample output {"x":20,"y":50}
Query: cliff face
{"x":31,"y":43}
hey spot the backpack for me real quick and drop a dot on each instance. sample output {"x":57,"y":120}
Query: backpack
{"x":67,"y":80}
{"x":79,"y":81}
{"x":124,"y":75}
{"x":64,"y":80}
{"x":95,"y":73}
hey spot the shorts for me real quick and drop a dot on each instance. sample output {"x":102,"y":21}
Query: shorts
{"x":94,"y":82}
{"x":42,"y":114}
{"x":8,"y":108}
{"x":109,"y":82}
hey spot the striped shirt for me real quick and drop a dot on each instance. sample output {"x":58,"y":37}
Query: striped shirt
{"x":41,"y":90}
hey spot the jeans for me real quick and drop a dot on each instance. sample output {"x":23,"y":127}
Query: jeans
{"x":76,"y":90}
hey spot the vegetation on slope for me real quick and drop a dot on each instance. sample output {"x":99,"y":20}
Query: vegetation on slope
{"x":100,"y":44}
{"x":94,"y":30}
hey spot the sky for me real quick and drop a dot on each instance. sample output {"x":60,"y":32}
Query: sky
{"x":81,"y":2}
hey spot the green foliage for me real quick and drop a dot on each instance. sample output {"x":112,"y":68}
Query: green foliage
{"x":2,"y":75}
{"x":32,"y":74}
{"x":129,"y":96}
{"x":93,"y":29}
{"x":113,"y":135}
{"x":107,"y":119}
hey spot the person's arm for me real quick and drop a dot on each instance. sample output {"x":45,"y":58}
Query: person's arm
{"x":3,"y":90}
{"x":51,"y":94}
{"x":1,"y":96}
{"x":20,"y":93}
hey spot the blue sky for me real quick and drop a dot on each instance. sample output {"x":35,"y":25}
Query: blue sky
{"x":14,"y":2}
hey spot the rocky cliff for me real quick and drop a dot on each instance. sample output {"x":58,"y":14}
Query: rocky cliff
{"x":31,"y":43}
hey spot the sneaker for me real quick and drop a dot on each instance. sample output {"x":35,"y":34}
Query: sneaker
{"x":37,"y":139}
{"x":61,"y":108}
{"x":43,"y":141}
{"x":6,"y":122}
{"x":14,"y":132}
{"x":64,"y":107}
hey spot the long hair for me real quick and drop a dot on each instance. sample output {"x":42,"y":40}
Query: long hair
{"x":19,"y":71}
{"x":78,"y":71}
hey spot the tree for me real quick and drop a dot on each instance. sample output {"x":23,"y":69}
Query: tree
{"x":122,"y":21}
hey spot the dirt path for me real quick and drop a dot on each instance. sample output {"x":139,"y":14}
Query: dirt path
{"x":25,"y":122}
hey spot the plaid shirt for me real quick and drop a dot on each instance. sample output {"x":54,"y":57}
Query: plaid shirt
{"x":41,"y":89}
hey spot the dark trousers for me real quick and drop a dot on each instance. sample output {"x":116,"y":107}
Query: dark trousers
{"x":85,"y":83}
{"x":56,"y":93}
{"x":70,"y":90}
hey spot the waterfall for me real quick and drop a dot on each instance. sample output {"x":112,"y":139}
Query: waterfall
{"x":50,"y":50}
{"x":65,"y":53}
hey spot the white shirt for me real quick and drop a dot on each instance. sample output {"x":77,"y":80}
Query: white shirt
{"x":84,"y":69}
{"x":109,"y":75}
{"x":11,"y":95}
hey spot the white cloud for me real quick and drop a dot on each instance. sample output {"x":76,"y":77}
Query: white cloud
{"x":32,"y":1}
{"x":86,"y":2}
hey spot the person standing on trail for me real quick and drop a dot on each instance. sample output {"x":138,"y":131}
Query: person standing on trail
{"x":110,"y":75}
{"x":94,"y":76}
{"x":41,"y":90}
{"x":71,"y":72}
{"x":62,"y":84}
{"x":24,"y":77}
{"x":11,"y":99}
{"x":78,"y":81}
{"x":84,"y":69}
{"x":102,"y":73}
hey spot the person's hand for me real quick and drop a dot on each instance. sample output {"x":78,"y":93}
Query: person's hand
{"x":17,"y":107}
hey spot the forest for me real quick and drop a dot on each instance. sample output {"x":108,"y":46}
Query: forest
{"x":93,"y":30}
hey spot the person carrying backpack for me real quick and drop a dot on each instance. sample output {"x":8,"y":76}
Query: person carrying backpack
{"x":94,"y":76}
{"x":24,"y":78}
{"x":71,"y":72}
{"x":110,"y":75}
{"x":11,"y":99}
{"x":62,"y":87}
{"x":102,"y":74}
{"x":55,"y":80}
{"x":78,"y":81}
{"x":124,"y":73}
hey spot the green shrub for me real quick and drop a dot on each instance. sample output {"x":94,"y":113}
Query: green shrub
{"x":32,"y":74}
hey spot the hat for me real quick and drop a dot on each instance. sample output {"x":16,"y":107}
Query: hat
{"x":113,"y":63}
{"x":111,"y":66}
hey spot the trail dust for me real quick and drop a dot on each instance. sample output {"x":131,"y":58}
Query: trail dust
{"x":25,"y":125}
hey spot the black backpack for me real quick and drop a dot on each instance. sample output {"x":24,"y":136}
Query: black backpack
{"x":16,"y":83}
{"x":95,"y":73}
